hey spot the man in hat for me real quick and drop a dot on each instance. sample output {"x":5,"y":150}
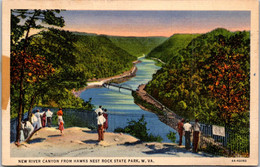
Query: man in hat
{"x":196,"y":128}
{"x":100,"y":122}
{"x":49,"y":117}
{"x":188,"y":129}
{"x":99,"y":110}
{"x":180,"y":130}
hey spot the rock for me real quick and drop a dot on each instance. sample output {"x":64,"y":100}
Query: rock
{"x":116,"y":139}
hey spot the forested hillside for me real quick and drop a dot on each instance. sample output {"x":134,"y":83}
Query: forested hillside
{"x":100,"y":57}
{"x":209,"y":79}
{"x":137,"y":46}
{"x":171,"y":46}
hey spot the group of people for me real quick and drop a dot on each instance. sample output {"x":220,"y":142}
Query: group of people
{"x":42,"y":119}
{"x":102,"y":122}
{"x":187,"y":129}
{"x":38,"y":120}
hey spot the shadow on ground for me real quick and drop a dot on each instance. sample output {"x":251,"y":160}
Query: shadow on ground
{"x":37,"y":140}
{"x":89,"y":131}
{"x":90,"y":141}
{"x":54,"y":136}
{"x":172,"y":150}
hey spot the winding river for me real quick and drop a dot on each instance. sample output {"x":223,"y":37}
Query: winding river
{"x":121,"y":107}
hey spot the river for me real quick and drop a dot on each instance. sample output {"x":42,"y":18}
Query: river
{"x":121,"y":107}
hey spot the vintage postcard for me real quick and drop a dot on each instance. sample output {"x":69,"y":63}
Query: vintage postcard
{"x":167,"y":82}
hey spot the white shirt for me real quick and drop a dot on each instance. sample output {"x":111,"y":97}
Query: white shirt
{"x":38,"y":115}
{"x":187,"y":127}
{"x":196,"y":127}
{"x":49,"y":113}
{"x":101,"y":120}
{"x":99,"y":110}
{"x":34,"y":119}
{"x":28,"y":125}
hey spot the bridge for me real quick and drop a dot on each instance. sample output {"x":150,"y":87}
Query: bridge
{"x":120,"y":86}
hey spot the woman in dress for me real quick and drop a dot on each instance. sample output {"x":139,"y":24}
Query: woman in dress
{"x":61,"y":127}
{"x":60,"y":120}
{"x":37,"y":121}
{"x":43,"y":119}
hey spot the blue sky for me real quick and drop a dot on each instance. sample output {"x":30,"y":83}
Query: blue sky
{"x":154,"y":23}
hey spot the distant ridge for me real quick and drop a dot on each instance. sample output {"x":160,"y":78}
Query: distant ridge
{"x":171,"y":46}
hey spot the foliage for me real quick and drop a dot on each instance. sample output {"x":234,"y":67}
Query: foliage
{"x":215,"y":150}
{"x":171,"y":136}
{"x":139,"y":100}
{"x":21,"y":24}
{"x":137,"y":46}
{"x":185,"y":84}
{"x":138,"y":129}
{"x":208,"y":80}
{"x":100,"y":58}
{"x":168,"y":49}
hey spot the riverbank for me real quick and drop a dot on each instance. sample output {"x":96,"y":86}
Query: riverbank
{"x":148,"y":103}
{"x":96,"y":83}
{"x":145,"y":102}
{"x":82,"y":142}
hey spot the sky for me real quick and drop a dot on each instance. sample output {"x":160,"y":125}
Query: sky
{"x":154,"y":23}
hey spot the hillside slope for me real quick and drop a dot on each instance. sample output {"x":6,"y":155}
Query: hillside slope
{"x":171,"y":46}
{"x":101,"y":58}
{"x":137,"y":46}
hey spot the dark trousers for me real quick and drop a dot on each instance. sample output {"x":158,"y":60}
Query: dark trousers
{"x":180,"y":134}
{"x":195,"y":141}
{"x":187,"y":140}
{"x":100,"y":133}
{"x":49,"y":121}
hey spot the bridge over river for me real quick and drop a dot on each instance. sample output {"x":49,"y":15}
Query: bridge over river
{"x":120,"y":86}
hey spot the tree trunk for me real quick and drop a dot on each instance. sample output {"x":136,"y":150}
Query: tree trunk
{"x":21,"y":96}
{"x":31,"y":107}
{"x":20,"y":106}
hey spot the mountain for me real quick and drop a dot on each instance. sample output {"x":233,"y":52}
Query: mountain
{"x":137,"y":46}
{"x":171,"y":46}
{"x":208,"y":79}
{"x":100,"y":57}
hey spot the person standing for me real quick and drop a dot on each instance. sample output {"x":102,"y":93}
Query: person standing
{"x":38,"y":124}
{"x":49,"y":117}
{"x":28,"y":128}
{"x":43,"y":119}
{"x":106,"y":117}
{"x":61,"y":127}
{"x":196,"y":128}
{"x":60,"y":120}
{"x":100,"y":121}
{"x":180,"y":130}
{"x":99,"y":110}
{"x":188,"y":129}
{"x":60,"y":114}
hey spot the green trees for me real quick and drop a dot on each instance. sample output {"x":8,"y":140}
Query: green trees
{"x":43,"y":66}
{"x":168,"y":49}
{"x":209,"y":79}
{"x":138,"y":129}
{"x":20,"y":41}
{"x":137,"y":46}
{"x":100,"y":58}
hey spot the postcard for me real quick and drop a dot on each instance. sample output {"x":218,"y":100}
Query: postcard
{"x":167,"y":82}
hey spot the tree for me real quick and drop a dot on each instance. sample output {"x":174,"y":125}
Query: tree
{"x":20,"y":39}
{"x":228,"y":81}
